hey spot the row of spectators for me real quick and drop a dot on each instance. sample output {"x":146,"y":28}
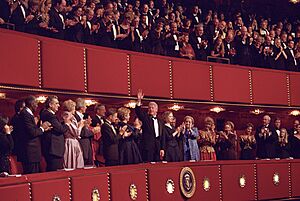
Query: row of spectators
{"x":162,"y":27}
{"x":74,"y":139}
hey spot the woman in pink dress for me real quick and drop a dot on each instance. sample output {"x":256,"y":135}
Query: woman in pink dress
{"x":73,"y":157}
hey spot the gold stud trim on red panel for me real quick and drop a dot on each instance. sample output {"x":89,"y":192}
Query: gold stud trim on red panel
{"x":70,"y":188}
{"x":171,"y":78}
{"x":211,"y":81}
{"x":288,"y":89}
{"x":220,"y":183}
{"x":255,"y":182}
{"x":108,"y":185}
{"x":147,"y":184}
{"x":250,"y":87}
{"x":39,"y":64}
{"x":128,"y":75}
{"x":290,"y":181}
{"x":85,"y":70}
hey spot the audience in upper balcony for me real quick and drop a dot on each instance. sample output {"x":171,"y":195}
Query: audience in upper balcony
{"x":162,"y":27}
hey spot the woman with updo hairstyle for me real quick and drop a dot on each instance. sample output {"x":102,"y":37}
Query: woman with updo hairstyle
{"x":73,"y":157}
{"x":227,"y":142}
{"x":207,"y":140}
{"x":248,"y":143}
{"x":170,"y":136}
{"x":283,"y":148}
{"x":6,"y":145}
{"x":128,"y":149}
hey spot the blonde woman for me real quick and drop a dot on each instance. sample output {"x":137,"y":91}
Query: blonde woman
{"x":207,"y":140}
{"x":73,"y":157}
{"x":283,"y":148}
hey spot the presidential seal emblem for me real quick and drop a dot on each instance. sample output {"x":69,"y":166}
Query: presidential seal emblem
{"x":187,"y":182}
{"x":170,"y":186}
{"x":133,"y":192}
{"x":95,"y":195}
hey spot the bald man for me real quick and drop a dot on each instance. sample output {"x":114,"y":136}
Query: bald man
{"x":267,"y":139}
{"x":152,"y":142}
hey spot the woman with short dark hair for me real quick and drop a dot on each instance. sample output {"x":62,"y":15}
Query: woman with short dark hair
{"x":6,"y":145}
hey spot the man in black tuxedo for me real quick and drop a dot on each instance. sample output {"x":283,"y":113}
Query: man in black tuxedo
{"x":53,"y":140}
{"x":267,"y":139}
{"x":291,"y":62}
{"x":20,"y":16}
{"x":57,"y":19}
{"x":99,"y":117}
{"x":85,"y":135}
{"x":195,"y":16}
{"x":172,"y":41}
{"x":293,"y":131}
{"x":32,"y":136}
{"x":199,"y":43}
{"x":111,"y":137}
{"x":17,"y":133}
{"x":152,"y":141}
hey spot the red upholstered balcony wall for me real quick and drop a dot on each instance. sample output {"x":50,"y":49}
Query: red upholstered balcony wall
{"x":36,"y":62}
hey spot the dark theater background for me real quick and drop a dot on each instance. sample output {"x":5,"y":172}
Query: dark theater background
{"x":42,"y":66}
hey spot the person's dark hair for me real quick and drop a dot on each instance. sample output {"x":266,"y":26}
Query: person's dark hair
{"x":86,"y":116}
{"x":18,"y":105}
{"x":111,"y":111}
{"x":250,"y":125}
{"x":98,"y":106}
{"x":277,"y":118}
{"x":29,"y":101}
{"x":3,"y":122}
{"x":55,"y":2}
{"x":49,"y":100}
{"x":165,"y":115}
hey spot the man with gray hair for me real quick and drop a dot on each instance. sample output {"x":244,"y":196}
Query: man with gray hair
{"x":86,"y":135}
{"x":267,"y":139}
{"x":152,"y":141}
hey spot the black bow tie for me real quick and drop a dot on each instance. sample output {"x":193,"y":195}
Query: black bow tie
{"x":154,"y":117}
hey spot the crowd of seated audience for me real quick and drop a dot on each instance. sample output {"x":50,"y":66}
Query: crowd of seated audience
{"x":70,"y":138}
{"x":162,"y":27}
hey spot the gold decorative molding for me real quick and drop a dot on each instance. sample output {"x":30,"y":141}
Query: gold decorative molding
{"x":147,"y":184}
{"x":290,"y":181}
{"x":255,"y":182}
{"x":288,"y":86}
{"x":85,"y":70}
{"x":171,"y":78}
{"x":250,"y":87}
{"x":220,"y":182}
{"x":108,"y":184}
{"x":39,"y":63}
{"x":211,"y":81}
{"x":128,"y":75}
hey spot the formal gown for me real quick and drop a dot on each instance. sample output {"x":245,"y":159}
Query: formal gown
{"x":172,"y":148}
{"x":129,"y":151}
{"x":73,"y":156}
{"x":207,"y":140}
{"x":248,"y":146}
{"x":6,"y":146}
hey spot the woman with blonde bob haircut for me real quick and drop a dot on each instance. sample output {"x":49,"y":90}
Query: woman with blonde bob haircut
{"x":73,"y":157}
{"x":207,"y":140}
{"x":128,"y":149}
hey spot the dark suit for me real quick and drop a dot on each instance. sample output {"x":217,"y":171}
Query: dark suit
{"x":200,"y":50}
{"x":151,"y":145}
{"x":96,"y":120}
{"x":32,"y":142}
{"x":105,"y":37}
{"x":17,"y":135}
{"x":4,"y":10}
{"x":266,"y":146}
{"x":110,"y":144}
{"x":172,"y":47}
{"x":291,"y":63}
{"x":56,"y":22}
{"x":86,"y":143}
{"x":53,"y":141}
{"x":18,"y":18}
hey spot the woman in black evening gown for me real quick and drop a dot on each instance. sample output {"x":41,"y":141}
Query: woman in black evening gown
{"x":248,"y":144}
{"x":128,"y":149}
{"x":295,"y":143}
